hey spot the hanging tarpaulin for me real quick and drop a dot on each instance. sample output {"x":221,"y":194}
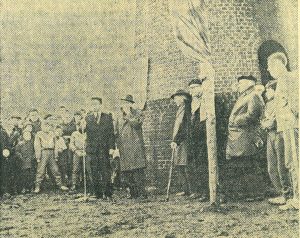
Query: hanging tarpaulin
{"x":190,"y":25}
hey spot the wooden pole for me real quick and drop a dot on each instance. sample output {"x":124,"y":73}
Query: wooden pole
{"x":206,"y":70}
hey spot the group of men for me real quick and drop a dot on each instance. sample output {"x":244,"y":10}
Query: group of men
{"x":57,"y":147}
{"x":261,"y":115}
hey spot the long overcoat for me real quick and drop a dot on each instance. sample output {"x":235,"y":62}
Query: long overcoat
{"x":244,"y":138}
{"x":130,"y":141}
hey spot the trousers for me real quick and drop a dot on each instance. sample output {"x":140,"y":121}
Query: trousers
{"x":279,"y":174}
{"x":291,"y":153}
{"x":47,"y":161}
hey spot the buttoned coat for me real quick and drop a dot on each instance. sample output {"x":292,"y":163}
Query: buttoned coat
{"x":244,"y":138}
{"x":130,"y":141}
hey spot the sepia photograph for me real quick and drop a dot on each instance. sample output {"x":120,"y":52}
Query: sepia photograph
{"x":149,"y":118}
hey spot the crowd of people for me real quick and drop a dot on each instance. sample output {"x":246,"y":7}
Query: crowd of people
{"x":113,"y":148}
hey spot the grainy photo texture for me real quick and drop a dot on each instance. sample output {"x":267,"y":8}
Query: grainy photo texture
{"x":149,"y":118}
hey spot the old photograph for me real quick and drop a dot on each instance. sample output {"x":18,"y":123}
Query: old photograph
{"x":149,"y":118}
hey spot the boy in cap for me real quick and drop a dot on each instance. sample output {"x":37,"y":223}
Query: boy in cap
{"x":25,"y":157}
{"x":275,"y":148}
{"x":44,"y":145}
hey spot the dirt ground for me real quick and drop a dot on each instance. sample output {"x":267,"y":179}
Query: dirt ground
{"x":54,"y":214}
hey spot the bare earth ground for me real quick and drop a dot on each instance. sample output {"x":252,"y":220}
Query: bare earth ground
{"x":62,"y":215}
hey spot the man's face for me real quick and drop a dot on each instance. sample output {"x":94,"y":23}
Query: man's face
{"x":270,"y":93}
{"x":58,"y":132}
{"x":77,"y":118}
{"x":276,"y":67}
{"x":179,"y":100}
{"x":28,"y":128}
{"x":27,"y":135}
{"x":195,"y":90}
{"x":95,"y":105}
{"x":33,"y":115}
{"x":62,"y":111}
{"x":46,"y":127}
{"x":125,"y":105}
{"x":68,"y":117}
{"x":244,"y":84}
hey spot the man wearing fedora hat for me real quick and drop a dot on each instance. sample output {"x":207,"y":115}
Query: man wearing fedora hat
{"x":180,"y":139}
{"x":244,"y":141}
{"x":131,"y":145}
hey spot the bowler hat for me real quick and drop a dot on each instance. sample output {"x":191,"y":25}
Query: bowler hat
{"x":181,"y":92}
{"x":128,"y":98}
{"x":247,"y":77}
{"x":195,"y":81}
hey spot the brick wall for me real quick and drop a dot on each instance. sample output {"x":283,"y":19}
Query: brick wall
{"x":234,"y":40}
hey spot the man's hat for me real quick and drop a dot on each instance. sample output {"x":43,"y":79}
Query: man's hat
{"x":27,"y":123}
{"x":245,"y":77}
{"x":16,"y":117}
{"x":47,"y":116}
{"x":77,"y":113}
{"x":33,"y":110}
{"x":97,"y":98}
{"x":128,"y":98}
{"x":181,"y":92}
{"x":196,"y":81}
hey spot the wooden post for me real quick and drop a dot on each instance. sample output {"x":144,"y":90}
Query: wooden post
{"x":206,"y":70}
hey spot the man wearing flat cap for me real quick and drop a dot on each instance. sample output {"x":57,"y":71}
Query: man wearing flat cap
{"x":244,"y":141}
{"x":131,"y":145}
{"x":198,"y":143}
{"x":100,"y":144}
{"x":181,"y":140}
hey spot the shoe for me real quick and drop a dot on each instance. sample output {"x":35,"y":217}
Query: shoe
{"x":180,"y":194}
{"x":64,"y":188}
{"x":37,"y":189}
{"x":277,"y":200}
{"x":291,"y":204}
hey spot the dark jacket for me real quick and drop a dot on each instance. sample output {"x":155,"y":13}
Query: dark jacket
{"x":100,"y":136}
{"x":244,"y":126}
{"x":130,"y":141}
{"x":25,"y":154}
{"x":36,"y":126}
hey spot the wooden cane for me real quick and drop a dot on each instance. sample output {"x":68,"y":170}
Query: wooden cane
{"x":170,"y":175}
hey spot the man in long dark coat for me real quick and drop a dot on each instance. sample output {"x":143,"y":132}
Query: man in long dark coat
{"x":100,"y":143}
{"x":180,"y":140}
{"x":132,"y":151}
{"x":244,"y":138}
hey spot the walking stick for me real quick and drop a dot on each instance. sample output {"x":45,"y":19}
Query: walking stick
{"x":170,"y":175}
{"x":84,"y":178}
